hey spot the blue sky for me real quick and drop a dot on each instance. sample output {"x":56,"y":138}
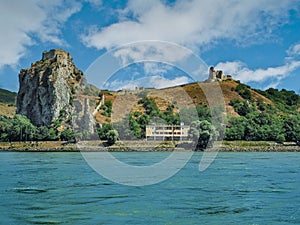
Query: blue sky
{"x":256,"y":41}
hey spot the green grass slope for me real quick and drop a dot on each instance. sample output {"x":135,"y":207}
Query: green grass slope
{"x":7,"y":96}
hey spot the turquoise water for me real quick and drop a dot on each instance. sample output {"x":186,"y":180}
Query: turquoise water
{"x":238,"y":188}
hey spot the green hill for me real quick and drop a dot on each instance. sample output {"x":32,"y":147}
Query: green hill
{"x":7,"y":96}
{"x":253,"y":115}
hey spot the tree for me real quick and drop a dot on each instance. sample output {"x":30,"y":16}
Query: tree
{"x":42,"y":133}
{"x":187,"y":115}
{"x":291,"y":126}
{"x":202,"y":133}
{"x":134,"y":127}
{"x":67,"y":135}
{"x":150,"y":106}
{"x":261,"y":105}
{"x":264,"y":127}
{"x":52,"y":134}
{"x":244,"y":91}
{"x":5,"y":128}
{"x":102,"y":131}
{"x":194,"y":131}
{"x":142,"y":121}
{"x":23,"y":129}
{"x":124,"y":130}
{"x":241,"y":107}
{"x":203,"y":113}
{"x":107,"y":109}
{"x":112,"y":137}
{"x":169,"y":116}
{"x":235,"y":129}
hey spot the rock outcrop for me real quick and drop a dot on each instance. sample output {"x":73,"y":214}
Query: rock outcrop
{"x":48,"y":87}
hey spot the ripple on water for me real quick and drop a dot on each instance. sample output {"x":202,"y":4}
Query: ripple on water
{"x":112,"y":196}
{"x":67,"y":191}
{"x":45,"y":221}
{"x":220,"y":210}
{"x":29,"y":190}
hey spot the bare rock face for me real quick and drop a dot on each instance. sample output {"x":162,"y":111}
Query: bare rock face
{"x":47,"y":88}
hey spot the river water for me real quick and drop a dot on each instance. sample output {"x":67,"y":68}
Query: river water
{"x":238,"y":188}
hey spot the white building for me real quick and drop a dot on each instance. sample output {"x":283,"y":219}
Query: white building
{"x":167,"y":132}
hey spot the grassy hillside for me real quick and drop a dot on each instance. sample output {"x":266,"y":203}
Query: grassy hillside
{"x":252,"y":115}
{"x":184,"y":96}
{"x":191,"y":95}
{"x":7,"y":96}
{"x":7,"y":102}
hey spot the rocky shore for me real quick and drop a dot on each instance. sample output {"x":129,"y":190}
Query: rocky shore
{"x":145,"y":146}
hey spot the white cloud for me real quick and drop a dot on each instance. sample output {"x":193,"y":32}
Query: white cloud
{"x":57,"y":14}
{"x":162,"y":82}
{"x":151,"y":68}
{"x":155,"y":51}
{"x":241,"y":72}
{"x":272,"y":85}
{"x":279,"y":72}
{"x":231,"y":67}
{"x":294,"y":50}
{"x":150,"y":81}
{"x":95,"y":3}
{"x":23,"y":23}
{"x":197,"y":25}
{"x":192,"y":23}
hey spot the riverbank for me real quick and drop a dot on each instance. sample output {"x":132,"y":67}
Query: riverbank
{"x":147,"y":146}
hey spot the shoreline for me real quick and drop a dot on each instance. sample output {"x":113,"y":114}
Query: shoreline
{"x":145,"y":146}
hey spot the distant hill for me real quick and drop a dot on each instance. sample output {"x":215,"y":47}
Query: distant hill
{"x":282,"y":101}
{"x":234,"y":93}
{"x":7,"y":96}
{"x":252,"y":115}
{"x":7,"y":102}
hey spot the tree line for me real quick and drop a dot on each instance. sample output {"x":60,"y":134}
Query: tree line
{"x":257,"y":121}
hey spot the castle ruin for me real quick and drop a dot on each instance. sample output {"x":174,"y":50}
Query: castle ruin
{"x":217,"y":75}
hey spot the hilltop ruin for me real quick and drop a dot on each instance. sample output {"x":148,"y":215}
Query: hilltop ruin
{"x":217,"y":75}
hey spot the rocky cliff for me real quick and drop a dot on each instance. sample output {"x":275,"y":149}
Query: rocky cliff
{"x":48,"y":87}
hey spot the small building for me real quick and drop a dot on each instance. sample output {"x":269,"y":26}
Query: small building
{"x":167,"y":132}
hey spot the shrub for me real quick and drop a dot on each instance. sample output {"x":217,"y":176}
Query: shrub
{"x":112,"y":137}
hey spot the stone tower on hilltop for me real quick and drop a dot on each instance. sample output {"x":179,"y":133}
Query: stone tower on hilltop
{"x":47,"y":88}
{"x":217,"y":75}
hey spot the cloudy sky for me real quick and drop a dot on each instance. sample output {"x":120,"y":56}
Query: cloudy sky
{"x":256,"y":41}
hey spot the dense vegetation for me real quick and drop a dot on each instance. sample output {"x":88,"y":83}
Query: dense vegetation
{"x":265,"y":122}
{"x":19,"y":128}
{"x":285,"y":101}
{"x":261,"y":126}
{"x":244,"y":91}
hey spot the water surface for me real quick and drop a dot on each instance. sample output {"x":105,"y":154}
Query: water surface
{"x":238,"y":188}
